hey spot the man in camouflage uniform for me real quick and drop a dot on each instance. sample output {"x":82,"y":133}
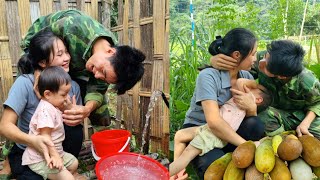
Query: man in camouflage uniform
{"x":295,"y":91}
{"x":88,"y":42}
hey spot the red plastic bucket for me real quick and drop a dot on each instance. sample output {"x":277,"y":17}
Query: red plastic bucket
{"x":110,"y":141}
{"x":130,"y":166}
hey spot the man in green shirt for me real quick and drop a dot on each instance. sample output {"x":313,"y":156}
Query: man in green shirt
{"x":95,"y":61}
{"x":295,"y":89}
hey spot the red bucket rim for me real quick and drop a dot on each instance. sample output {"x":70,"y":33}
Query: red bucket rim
{"x":133,"y":154}
{"x":94,"y":135}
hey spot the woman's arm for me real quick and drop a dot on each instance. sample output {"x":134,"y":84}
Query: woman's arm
{"x":10,"y":130}
{"x":242,"y":82}
{"x":55,"y":159}
{"x":219,"y":126}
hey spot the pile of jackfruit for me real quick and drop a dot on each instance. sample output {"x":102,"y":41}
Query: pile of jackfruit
{"x":281,"y":157}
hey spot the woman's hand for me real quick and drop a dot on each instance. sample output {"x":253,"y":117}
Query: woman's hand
{"x":223,"y":62}
{"x":245,"y":100}
{"x":41,"y":144}
{"x":56,"y":162}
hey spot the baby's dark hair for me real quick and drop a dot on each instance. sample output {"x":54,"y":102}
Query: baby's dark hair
{"x":267,"y":98}
{"x":238,"y":39}
{"x":128,"y":66}
{"x":51,"y":78}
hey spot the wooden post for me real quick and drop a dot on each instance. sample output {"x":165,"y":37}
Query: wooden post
{"x":105,"y":13}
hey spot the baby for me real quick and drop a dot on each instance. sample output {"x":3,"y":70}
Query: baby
{"x":54,"y":84}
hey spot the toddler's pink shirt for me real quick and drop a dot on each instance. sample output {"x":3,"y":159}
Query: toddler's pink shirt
{"x":46,"y":115}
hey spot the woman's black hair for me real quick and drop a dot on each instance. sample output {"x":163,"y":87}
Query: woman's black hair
{"x":40,"y":47}
{"x":238,"y":39}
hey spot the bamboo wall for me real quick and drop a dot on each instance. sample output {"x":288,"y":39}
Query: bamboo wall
{"x":145,"y":25}
{"x":141,"y":23}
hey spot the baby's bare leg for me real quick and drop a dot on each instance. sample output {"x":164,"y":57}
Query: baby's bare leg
{"x":63,"y":174}
{"x":74,"y":166}
{"x":182,"y":161}
{"x":181,"y":138}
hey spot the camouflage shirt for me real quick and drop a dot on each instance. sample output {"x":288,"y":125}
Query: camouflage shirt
{"x":302,"y":92}
{"x":79,"y":32}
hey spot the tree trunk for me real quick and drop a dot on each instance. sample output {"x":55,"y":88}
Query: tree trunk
{"x":304,"y":17}
{"x":285,"y":20}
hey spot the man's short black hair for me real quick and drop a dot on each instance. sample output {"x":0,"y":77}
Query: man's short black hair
{"x":127,"y":63}
{"x":285,"y":58}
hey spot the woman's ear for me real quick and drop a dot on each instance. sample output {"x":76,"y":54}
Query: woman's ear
{"x":43,"y":64}
{"x":236,"y":55}
{"x":259,"y":100}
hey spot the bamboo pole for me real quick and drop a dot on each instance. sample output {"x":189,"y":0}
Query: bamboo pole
{"x":46,"y":7}
{"x":81,"y":5}
{"x":304,"y":17}
{"x":137,"y":43}
{"x":24,"y":16}
{"x":64,"y":4}
{"x":14,"y":30}
{"x":166,"y":89}
{"x":94,"y":9}
{"x":126,"y":22}
{"x":105,"y":13}
{"x":158,"y":68}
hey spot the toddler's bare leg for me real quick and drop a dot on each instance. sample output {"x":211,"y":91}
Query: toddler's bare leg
{"x":182,"y":161}
{"x":63,"y":174}
{"x":74,"y":166}
{"x":6,"y":167}
{"x":181,"y":138}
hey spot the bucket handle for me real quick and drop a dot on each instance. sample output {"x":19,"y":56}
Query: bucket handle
{"x":97,"y":158}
